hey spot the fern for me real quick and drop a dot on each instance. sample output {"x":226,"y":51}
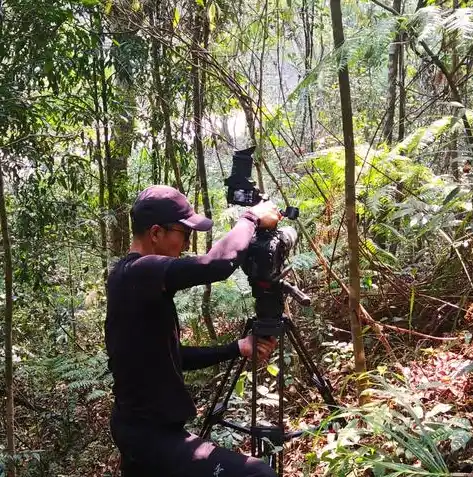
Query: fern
{"x":81,"y":372}
{"x":425,"y":136}
{"x":379,"y":252}
{"x":460,"y":21}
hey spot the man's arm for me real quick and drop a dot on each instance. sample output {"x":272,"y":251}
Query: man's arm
{"x":219,"y":263}
{"x":194,"y":357}
{"x":198,"y":358}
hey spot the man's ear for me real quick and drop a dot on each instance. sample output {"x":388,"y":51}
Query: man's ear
{"x":155,"y":232}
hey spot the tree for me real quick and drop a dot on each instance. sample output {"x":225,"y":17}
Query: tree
{"x":350,"y":195}
{"x":8,"y":329}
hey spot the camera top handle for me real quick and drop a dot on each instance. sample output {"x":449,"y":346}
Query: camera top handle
{"x":242,"y":188}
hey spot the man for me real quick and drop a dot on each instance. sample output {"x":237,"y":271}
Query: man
{"x":142,"y":338}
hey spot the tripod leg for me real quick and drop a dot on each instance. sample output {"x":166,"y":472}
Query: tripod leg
{"x":214,"y":414}
{"x":320,"y":383}
{"x":280,"y":456}
{"x":255,"y":442}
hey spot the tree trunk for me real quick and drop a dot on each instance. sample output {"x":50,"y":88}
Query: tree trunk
{"x":122,"y":134}
{"x":105,"y":119}
{"x":452,"y":156}
{"x":198,"y":81}
{"x":96,"y":155}
{"x":196,"y":207}
{"x":8,"y":330}
{"x":392,"y":79}
{"x":350,"y":198}
{"x":161,"y":94}
{"x":308,"y":19}
{"x":402,"y":91}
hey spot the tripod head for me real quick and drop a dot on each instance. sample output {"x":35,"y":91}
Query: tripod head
{"x":268,"y":250}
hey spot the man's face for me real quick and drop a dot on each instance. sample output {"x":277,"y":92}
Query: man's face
{"x":170,"y":240}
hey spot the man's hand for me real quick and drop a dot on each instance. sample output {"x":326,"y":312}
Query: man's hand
{"x":264,"y":347}
{"x":267,"y":213}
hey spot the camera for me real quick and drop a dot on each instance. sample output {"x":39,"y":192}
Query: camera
{"x":242,"y":188}
{"x":269,"y":249}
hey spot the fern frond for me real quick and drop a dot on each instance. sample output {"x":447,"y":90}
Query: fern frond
{"x":425,"y":23}
{"x":425,"y":136}
{"x":84,"y":385}
{"x":380,"y":253}
{"x":460,"y":21}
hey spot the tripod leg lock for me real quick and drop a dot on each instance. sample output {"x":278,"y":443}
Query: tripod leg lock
{"x":272,"y":327}
{"x":217,"y":413}
{"x":322,"y":384}
{"x":272,"y":433}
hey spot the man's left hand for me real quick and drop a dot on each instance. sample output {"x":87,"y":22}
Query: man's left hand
{"x":264,"y":347}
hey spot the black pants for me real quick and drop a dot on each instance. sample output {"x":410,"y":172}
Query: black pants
{"x":149,"y":450}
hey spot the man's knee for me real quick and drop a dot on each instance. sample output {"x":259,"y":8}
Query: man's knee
{"x":257,"y":468}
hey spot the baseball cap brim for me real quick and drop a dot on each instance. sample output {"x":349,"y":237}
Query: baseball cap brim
{"x":197,"y":222}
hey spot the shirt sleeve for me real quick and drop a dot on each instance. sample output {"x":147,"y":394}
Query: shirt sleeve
{"x":218,"y":264}
{"x":203,"y":357}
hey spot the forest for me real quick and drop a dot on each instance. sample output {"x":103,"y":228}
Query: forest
{"x":359,"y":111}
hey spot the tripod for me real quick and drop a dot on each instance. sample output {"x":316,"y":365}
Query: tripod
{"x":267,"y":441}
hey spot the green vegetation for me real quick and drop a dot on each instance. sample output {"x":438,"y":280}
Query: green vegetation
{"x":99,"y":99}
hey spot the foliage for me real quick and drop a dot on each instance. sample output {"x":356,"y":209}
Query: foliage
{"x":395,"y":434}
{"x":87,"y":87}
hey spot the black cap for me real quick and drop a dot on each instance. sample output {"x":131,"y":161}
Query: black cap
{"x":161,"y":204}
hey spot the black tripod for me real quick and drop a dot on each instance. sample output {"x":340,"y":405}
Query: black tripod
{"x":267,"y":441}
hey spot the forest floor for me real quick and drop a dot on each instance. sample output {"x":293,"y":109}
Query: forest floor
{"x":438,"y":374}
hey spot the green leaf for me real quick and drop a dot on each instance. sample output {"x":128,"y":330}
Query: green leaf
{"x":438,"y":409}
{"x":459,"y":439}
{"x":273,"y":369}
{"x":89,"y":3}
{"x":212,"y":15}
{"x":240,"y":385}
{"x":200,"y":3}
{"x":48,"y":66}
{"x":177,"y":17}
{"x":451,"y":195}
{"x":108,"y":7}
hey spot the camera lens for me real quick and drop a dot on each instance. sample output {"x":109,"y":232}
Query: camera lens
{"x":289,"y":236}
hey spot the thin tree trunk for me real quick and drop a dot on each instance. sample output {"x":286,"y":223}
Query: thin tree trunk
{"x":250,"y":122}
{"x":105,"y":118}
{"x":452,"y":155}
{"x":8,"y":330}
{"x":196,"y":207}
{"x":392,"y":78}
{"x":163,"y":98}
{"x":72,"y":309}
{"x":155,"y":118}
{"x":161,"y":95}
{"x":308,"y":18}
{"x":96,"y":155}
{"x":402,"y":91}
{"x":123,"y":132}
{"x":350,"y":199}
{"x":198,"y":80}
{"x":124,"y":112}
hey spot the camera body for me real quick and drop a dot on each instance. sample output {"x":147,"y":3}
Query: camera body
{"x":264,"y":267}
{"x":268,"y":250}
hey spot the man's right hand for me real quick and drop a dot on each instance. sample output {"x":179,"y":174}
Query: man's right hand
{"x":267,"y":213}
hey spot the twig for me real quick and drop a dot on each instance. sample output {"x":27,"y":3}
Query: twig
{"x":386,"y":7}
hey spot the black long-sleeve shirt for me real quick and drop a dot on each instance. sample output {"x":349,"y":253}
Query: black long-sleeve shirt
{"x":142,"y":327}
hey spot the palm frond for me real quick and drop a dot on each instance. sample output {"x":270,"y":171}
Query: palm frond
{"x":460,"y":21}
